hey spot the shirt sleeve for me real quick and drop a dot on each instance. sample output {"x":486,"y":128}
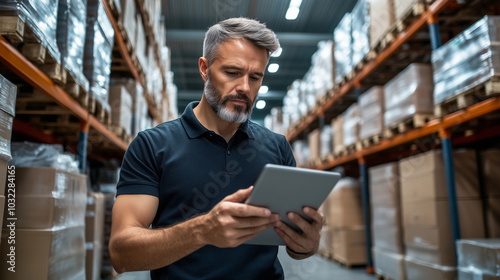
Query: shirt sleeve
{"x":139,"y":173}
{"x":286,"y":151}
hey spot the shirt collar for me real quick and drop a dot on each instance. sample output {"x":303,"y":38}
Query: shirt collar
{"x":195,"y":129}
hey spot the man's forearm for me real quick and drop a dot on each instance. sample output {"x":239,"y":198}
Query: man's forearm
{"x":145,"y":249}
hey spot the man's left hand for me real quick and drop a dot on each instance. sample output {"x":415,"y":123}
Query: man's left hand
{"x":305,"y":244}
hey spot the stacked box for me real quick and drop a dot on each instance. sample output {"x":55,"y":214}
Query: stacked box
{"x":40,"y":17}
{"x":404,"y":6}
{"x":360,"y":24}
{"x":425,"y":205}
{"x":478,"y":259}
{"x":326,"y":141}
{"x":338,"y":134}
{"x":343,"y":47}
{"x":344,"y":217}
{"x":121,"y":106}
{"x":140,"y":42}
{"x":468,"y":60}
{"x":94,"y":235}
{"x":387,"y":229}
{"x":351,"y":127}
{"x":382,"y":18}
{"x":99,"y":40}
{"x":71,"y":22}
{"x":322,"y":70}
{"x":416,"y":269}
{"x":491,"y":173}
{"x":128,"y":20}
{"x":314,"y":144}
{"x":371,"y":105}
{"x":51,"y":246}
{"x":301,"y":152}
{"x":409,"y":94}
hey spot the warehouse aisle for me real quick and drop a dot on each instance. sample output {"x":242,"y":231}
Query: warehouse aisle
{"x":314,"y":268}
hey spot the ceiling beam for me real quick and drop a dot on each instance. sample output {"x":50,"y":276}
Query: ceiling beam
{"x":285,"y":38}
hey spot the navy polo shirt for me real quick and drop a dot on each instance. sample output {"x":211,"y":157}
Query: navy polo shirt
{"x":191,"y":169}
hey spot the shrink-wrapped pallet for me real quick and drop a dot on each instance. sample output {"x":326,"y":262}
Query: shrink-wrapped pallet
{"x":129,"y":21}
{"x":360,"y":24}
{"x":371,"y":104}
{"x":338,"y":134}
{"x":408,"y":94}
{"x":343,"y":47}
{"x":326,"y":141}
{"x":478,"y":258}
{"x":468,"y":60}
{"x":121,"y":106}
{"x":382,"y":18}
{"x":351,"y":125}
{"x":71,"y":22}
{"x":98,"y":47}
{"x":40,"y":17}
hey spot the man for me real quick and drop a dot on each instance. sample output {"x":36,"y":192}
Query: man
{"x":186,"y":178}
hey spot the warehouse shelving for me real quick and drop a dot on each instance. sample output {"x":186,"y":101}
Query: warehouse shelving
{"x":443,"y":126}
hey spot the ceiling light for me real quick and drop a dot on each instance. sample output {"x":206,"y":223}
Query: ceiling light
{"x":273,"y":67}
{"x":292,"y":13}
{"x":261,"y":104}
{"x":277,"y":52}
{"x":263,"y":89}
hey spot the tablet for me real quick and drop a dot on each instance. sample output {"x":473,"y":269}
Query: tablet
{"x":284,"y":189}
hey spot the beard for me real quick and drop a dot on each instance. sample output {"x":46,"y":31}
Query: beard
{"x":218,"y":104}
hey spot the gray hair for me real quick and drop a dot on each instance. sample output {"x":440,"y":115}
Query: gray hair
{"x":237,"y":28}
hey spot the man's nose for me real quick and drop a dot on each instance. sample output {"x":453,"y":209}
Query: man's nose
{"x":243,"y":84}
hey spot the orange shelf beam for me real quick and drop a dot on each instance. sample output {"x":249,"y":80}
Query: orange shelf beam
{"x":15,"y":61}
{"x":402,"y":38}
{"x":435,"y":126}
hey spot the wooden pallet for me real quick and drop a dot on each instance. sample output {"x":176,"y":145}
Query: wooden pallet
{"x":76,"y":90}
{"x":415,"y":121}
{"x":411,"y":15}
{"x":370,"y":141}
{"x":96,"y":108}
{"x":349,"y":149}
{"x":469,"y":97}
{"x":121,"y":133}
{"x":12,"y":28}
{"x":345,"y":263}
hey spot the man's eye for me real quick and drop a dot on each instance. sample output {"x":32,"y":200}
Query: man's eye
{"x":232,"y":73}
{"x":255,"y":78}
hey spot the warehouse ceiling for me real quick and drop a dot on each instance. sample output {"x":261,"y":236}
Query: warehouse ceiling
{"x":187,"y":21}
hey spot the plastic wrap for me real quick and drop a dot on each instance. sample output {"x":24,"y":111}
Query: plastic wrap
{"x":351,"y":124}
{"x":28,"y":154}
{"x":387,"y":229}
{"x":121,"y":107}
{"x":338,"y":134}
{"x":384,"y":185}
{"x":409,"y":93}
{"x":41,"y":17}
{"x":480,"y":256}
{"x":71,"y":23}
{"x":404,"y":6}
{"x":98,"y":47}
{"x":322,"y":70}
{"x":382,"y":18}
{"x":6,"y":121}
{"x":416,"y":269}
{"x":390,"y":265}
{"x":371,"y":105}
{"x":469,"y":59}
{"x":360,"y":24}
{"x":129,"y":20}
{"x":8,"y":94}
{"x":301,"y":152}
{"x":326,"y":141}
{"x":140,"y":43}
{"x":343,"y":47}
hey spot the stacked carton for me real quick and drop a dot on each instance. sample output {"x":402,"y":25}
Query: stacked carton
{"x":344,"y":217}
{"x":51,"y":246}
{"x":409,"y":94}
{"x":94,"y":235}
{"x":387,"y":229}
{"x":478,"y":259}
{"x":8,"y":92}
{"x":351,"y":127}
{"x":128,"y":20}
{"x":426,"y":211}
{"x":343,"y":47}
{"x":371,"y":104}
{"x":490,"y":160}
{"x":121,"y":106}
{"x":99,"y":40}
{"x":360,"y":24}
{"x":402,"y":7}
{"x":314,"y":144}
{"x":382,"y":18}
{"x":326,"y":145}
{"x":338,"y":134}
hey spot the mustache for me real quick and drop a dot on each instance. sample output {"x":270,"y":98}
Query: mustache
{"x":240,"y":97}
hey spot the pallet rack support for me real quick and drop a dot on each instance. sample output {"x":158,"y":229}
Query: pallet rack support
{"x":365,"y":193}
{"x":445,"y":136}
{"x":434,"y":32}
{"x":82,"y":146}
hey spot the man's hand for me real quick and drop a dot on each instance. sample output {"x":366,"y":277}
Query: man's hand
{"x":231,"y":223}
{"x":305,"y":244}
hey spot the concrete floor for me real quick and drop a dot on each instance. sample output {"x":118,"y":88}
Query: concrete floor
{"x":314,"y":268}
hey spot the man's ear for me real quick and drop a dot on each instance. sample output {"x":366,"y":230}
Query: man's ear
{"x":203,"y":66}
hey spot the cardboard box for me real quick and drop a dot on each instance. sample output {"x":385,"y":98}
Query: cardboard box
{"x":45,"y":254}
{"x":314,"y":144}
{"x":493,"y":217}
{"x":59,"y":194}
{"x":382,"y":18}
{"x":491,"y":171}
{"x":338,"y":134}
{"x":423,"y":176}
{"x":466,"y":274}
{"x":94,"y":218}
{"x":345,"y":205}
{"x":120,"y":102}
{"x":437,"y":212}
{"x":387,"y":229}
{"x":93,"y":260}
{"x":349,"y":245}
{"x":389,"y":265}
{"x":482,"y":255}
{"x":428,"y":271}
{"x":385,"y":186}
{"x":404,"y":6}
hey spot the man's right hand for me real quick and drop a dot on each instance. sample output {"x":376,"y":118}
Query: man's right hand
{"x":231,"y":223}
